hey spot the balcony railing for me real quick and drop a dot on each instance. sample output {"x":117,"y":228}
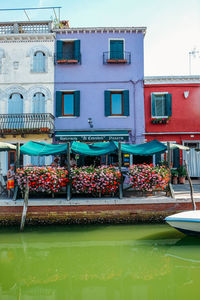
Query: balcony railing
{"x":115,"y":57}
{"x":26,"y":123}
{"x":61,"y":59}
{"x":25,"y":27}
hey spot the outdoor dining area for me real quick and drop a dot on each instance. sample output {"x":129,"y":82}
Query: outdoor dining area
{"x":96,"y":181}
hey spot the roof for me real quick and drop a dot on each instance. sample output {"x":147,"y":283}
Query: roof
{"x":101,"y":30}
{"x":171,"y":79}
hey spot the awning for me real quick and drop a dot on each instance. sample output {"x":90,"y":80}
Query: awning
{"x":42,"y":149}
{"x":92,"y":136}
{"x":146,"y":149}
{"x":96,"y":149}
{"x":177,"y":146}
{"x":7,"y":147}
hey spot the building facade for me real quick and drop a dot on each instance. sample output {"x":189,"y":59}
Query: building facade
{"x":99,"y":76}
{"x":26,"y":85}
{"x":172,"y":113}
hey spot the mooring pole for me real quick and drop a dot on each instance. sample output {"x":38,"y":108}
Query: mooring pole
{"x":120,"y":170}
{"x":191,"y":186}
{"x":69,"y":172}
{"x":26,"y":195}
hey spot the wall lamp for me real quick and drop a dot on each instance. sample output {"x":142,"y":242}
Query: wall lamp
{"x":90,"y":122}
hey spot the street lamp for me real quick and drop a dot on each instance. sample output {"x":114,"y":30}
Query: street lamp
{"x":193,"y":54}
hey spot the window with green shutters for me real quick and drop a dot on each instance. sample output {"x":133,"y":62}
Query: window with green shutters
{"x":116,"y":103}
{"x":68,"y":104}
{"x":161,"y":105}
{"x":68,"y":51}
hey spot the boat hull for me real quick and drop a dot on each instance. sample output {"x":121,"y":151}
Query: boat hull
{"x":186,"y":222}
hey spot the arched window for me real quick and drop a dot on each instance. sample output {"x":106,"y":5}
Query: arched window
{"x":38,"y":103}
{"x":39,"y":61}
{"x":15,"y":104}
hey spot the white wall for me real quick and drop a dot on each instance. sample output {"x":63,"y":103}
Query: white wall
{"x":16,"y":55}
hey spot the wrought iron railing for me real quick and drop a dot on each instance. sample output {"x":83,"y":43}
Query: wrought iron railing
{"x":62,"y":59}
{"x":117,"y":57}
{"x":26,"y":123}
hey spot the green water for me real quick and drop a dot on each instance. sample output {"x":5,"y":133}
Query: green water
{"x":99,"y":262}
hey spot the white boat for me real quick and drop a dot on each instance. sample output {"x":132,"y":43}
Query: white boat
{"x":187,"y":222}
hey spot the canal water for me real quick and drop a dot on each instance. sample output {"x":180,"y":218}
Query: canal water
{"x":99,"y":262}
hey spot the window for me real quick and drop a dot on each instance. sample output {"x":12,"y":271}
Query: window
{"x":116,"y":103}
{"x":15,"y":104}
{"x":68,"y":104}
{"x":38,"y":104}
{"x":39,"y":62}
{"x":161,"y":105}
{"x":68,"y":52}
{"x":116,"y":49}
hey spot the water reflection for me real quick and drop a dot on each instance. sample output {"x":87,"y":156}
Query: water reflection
{"x":110,"y":262}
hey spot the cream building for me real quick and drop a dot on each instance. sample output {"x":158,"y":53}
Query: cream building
{"x":26,"y":86}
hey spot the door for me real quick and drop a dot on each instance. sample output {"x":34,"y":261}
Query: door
{"x":38,"y":103}
{"x":192,"y":158}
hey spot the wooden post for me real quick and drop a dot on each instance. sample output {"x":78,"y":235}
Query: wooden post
{"x":26,"y":195}
{"x":17,"y":165}
{"x":191,"y":186}
{"x":169,"y":155}
{"x":69,"y":172}
{"x":120,"y":170}
{"x":106,"y":159}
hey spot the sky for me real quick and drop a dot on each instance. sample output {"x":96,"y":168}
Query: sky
{"x":173,"y":26}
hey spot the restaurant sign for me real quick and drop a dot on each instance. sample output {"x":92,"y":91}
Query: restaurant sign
{"x":92,"y":137}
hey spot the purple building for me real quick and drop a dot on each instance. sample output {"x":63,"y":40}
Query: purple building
{"x":99,"y":76}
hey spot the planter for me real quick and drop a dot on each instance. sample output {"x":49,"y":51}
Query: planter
{"x":175,"y":179}
{"x":181,"y":179}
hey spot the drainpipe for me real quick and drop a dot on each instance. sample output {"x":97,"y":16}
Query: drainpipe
{"x":134,"y":83}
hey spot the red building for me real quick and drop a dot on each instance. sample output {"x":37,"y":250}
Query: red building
{"x":172,"y":113}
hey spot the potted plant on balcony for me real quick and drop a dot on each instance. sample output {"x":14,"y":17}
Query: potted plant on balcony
{"x":181,"y":174}
{"x":174,"y":174}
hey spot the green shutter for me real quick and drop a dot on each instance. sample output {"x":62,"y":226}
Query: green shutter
{"x":59,"y":52}
{"x":116,"y":49}
{"x":153,"y":111}
{"x":58,"y":104}
{"x":107,"y":101}
{"x":168,"y":105}
{"x":77,"y":50}
{"x":157,"y":158}
{"x":176,"y":158}
{"x":77,"y":103}
{"x":126,"y":103}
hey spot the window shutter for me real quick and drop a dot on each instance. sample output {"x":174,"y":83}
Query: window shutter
{"x":157,"y":158}
{"x":77,"y":103}
{"x":168,"y":105}
{"x":59,"y":52}
{"x":126,"y":103}
{"x":176,"y":158}
{"x":116,"y":49}
{"x":153,"y":112}
{"x":107,"y":102}
{"x":77,"y":50}
{"x":58,"y":104}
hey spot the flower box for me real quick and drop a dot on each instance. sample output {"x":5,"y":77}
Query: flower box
{"x":67,"y":61}
{"x":117,"y":61}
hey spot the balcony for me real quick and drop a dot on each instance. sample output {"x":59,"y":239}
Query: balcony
{"x":67,"y":61}
{"x":31,"y":123}
{"x":114,"y":57}
{"x":25,"y":27}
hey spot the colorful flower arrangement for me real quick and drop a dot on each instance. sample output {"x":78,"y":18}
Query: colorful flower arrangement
{"x":149,"y":178}
{"x":160,"y":120}
{"x":90,"y":180}
{"x":42,"y":179}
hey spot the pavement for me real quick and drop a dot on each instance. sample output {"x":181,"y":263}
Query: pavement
{"x":182,"y":191}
